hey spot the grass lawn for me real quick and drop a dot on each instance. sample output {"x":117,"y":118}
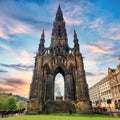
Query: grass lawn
{"x":61,"y":117}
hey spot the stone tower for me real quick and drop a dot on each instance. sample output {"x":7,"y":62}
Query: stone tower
{"x":58,"y":58}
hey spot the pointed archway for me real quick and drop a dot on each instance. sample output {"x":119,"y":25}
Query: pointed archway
{"x":59,"y":84}
{"x":59,"y":87}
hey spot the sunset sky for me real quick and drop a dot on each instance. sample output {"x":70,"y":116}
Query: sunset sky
{"x":97,"y":23}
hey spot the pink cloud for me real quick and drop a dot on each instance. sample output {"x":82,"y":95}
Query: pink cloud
{"x":95,"y":78}
{"x":5,"y":47}
{"x":97,"y":23}
{"x":25,"y":57}
{"x":15,"y":86}
{"x":110,"y":31}
{"x":9,"y":25}
{"x":72,"y":21}
{"x":74,"y":16}
{"x":2,"y":34}
{"x":100,"y":47}
{"x":114,"y":31}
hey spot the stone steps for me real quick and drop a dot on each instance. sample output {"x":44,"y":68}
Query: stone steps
{"x":58,"y":107}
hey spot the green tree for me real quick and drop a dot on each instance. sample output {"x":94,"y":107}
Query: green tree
{"x":21,"y":104}
{"x":11,"y":103}
{"x":3,"y":101}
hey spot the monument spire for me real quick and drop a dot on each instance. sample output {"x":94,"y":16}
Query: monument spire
{"x":59,"y":14}
{"x":76,"y":44}
{"x":50,"y":61}
{"x":42,"y":41}
{"x":59,"y":35}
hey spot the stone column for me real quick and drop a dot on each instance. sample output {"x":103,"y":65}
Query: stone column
{"x":68,"y":87}
{"x":51,"y":87}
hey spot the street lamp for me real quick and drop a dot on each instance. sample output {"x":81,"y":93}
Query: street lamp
{"x":104,"y":102}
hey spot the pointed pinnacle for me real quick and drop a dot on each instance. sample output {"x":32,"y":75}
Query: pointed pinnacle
{"x":59,"y":8}
{"x":59,"y":14}
{"x":42,"y":35}
{"x":75,"y":35}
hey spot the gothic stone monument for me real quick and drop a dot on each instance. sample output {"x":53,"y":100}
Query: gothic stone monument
{"x":58,"y":58}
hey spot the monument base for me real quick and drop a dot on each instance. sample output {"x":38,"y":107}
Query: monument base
{"x":35,"y":107}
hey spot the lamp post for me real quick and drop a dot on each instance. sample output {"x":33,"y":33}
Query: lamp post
{"x":104,"y":102}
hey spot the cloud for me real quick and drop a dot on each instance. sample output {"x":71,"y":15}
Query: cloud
{"x":22,"y":56}
{"x":100,"y":47}
{"x":7,"y":90}
{"x":3,"y":34}
{"x":5,"y":47}
{"x":14,"y":85}
{"x":114,"y":31}
{"x":93,"y":74}
{"x":71,"y":21}
{"x":33,"y":23}
{"x":11,"y":27}
{"x":12,"y":22}
{"x":97,"y":23}
{"x":115,"y":56}
{"x":89,"y":74}
{"x":75,"y":15}
{"x":18,"y":67}
{"x":93,"y":79}
{"x":106,"y":29}
{"x":3,"y":71}
{"x":15,"y":82}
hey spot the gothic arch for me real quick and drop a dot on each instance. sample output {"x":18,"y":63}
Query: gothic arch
{"x":61,"y":87}
{"x":59,"y":69}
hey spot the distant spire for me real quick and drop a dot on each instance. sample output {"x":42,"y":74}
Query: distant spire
{"x":76,"y":44}
{"x":75,"y":37}
{"x":42,"y":41}
{"x":59,"y":14}
{"x":42,"y":35}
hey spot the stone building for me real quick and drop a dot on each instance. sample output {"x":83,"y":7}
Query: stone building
{"x":105,"y":93}
{"x":94,"y":93}
{"x":107,"y":89}
{"x":100,"y":93}
{"x":114,"y":79}
{"x":58,"y":58}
